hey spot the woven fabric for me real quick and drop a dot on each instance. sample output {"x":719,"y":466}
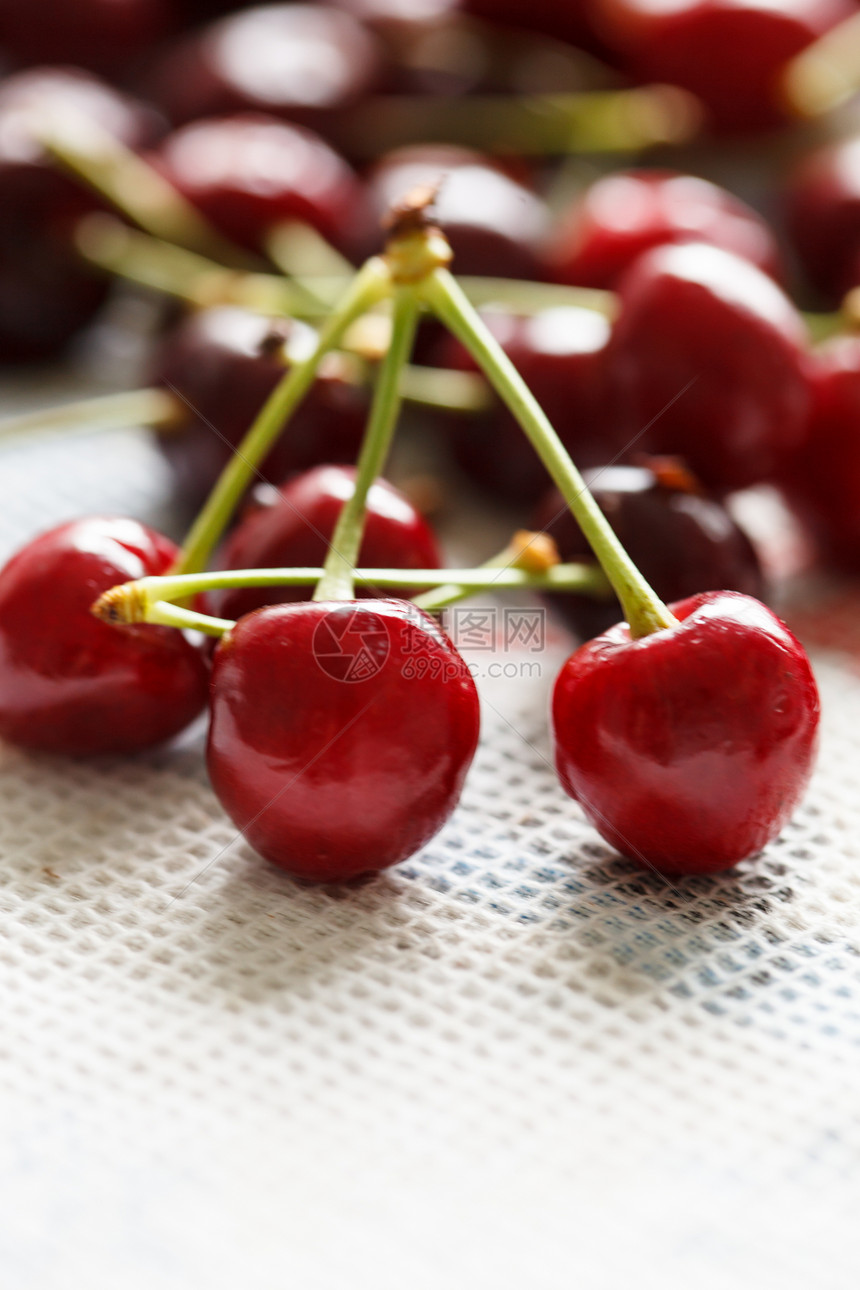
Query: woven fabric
{"x":516,"y":1060}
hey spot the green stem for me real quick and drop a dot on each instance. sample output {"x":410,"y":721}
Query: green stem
{"x":643,"y":609}
{"x":107,"y":412}
{"x":370,"y":285}
{"x":151,"y":600}
{"x":336,"y":582}
{"x":135,"y":188}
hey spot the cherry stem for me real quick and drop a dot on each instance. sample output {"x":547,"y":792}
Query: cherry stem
{"x":371,"y":284}
{"x":106,"y":242}
{"x":149,"y":407}
{"x":826,"y":73}
{"x":150,"y":600}
{"x":643,"y":609}
{"x":626,"y":120}
{"x":134,"y":187}
{"x":336,"y":582}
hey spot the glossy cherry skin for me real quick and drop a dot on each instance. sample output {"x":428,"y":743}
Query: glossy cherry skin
{"x":629,"y":212}
{"x":293,"y":524}
{"x":74,"y":685}
{"x":729,"y":53}
{"x":103,"y":35}
{"x":298,"y":61}
{"x":222,"y":364}
{"x":561,"y":354}
{"x":822,"y":204}
{"x":249,"y":172}
{"x":47,"y":293}
{"x":495,"y":225}
{"x":682,"y":541}
{"x":327,"y":775}
{"x":689,"y":749}
{"x":821,"y":480}
{"x":710,"y":355}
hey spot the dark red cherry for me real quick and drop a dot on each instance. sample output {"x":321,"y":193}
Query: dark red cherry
{"x":561,"y":355}
{"x":730,"y":53}
{"x":298,"y":61}
{"x":682,"y":541}
{"x":708,"y":358}
{"x":250,"y":172}
{"x":102,"y":35}
{"x":495,"y":225}
{"x":46,"y":291}
{"x":626,"y":213}
{"x":293,"y":524}
{"x":341,"y":733}
{"x":222,"y":364}
{"x":822,"y":478}
{"x":569,"y":21}
{"x":689,"y":749}
{"x":822,"y":203}
{"x":72,"y":684}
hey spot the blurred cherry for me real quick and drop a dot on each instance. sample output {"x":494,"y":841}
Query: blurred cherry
{"x":708,"y":358}
{"x":101,"y":35}
{"x":298,"y":61}
{"x":293,"y":525}
{"x":822,"y":479}
{"x":681,"y":540}
{"x":222,"y":364}
{"x":626,"y":213}
{"x":561,"y":354}
{"x":822,"y":203}
{"x":728,"y":52}
{"x":250,"y":172}
{"x":46,"y":291}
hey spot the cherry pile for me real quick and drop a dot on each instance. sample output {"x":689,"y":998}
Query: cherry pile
{"x":238,"y":165}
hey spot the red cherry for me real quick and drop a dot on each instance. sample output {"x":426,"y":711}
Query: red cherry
{"x":628,"y":212}
{"x":293,"y":524}
{"x":71,"y":684}
{"x":728,"y":52}
{"x":561,"y":355}
{"x":251,"y":172}
{"x":495,"y":225}
{"x":223,"y":364}
{"x":103,"y":35}
{"x":299,"y":61}
{"x":822,"y":479}
{"x":710,"y":355}
{"x":689,"y":749}
{"x":46,"y":291}
{"x":341,"y":734}
{"x":823,"y":215}
{"x":682,"y":541}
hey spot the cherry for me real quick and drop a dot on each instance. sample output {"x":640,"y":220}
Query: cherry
{"x":728,"y":52}
{"x":822,"y":203}
{"x":222,"y":364}
{"x":299,"y":61}
{"x":341,"y":733}
{"x":102,"y":35}
{"x":709,"y":354}
{"x":495,"y":225}
{"x":249,"y":172}
{"x":689,"y":749}
{"x":71,"y":684}
{"x":561,"y":355}
{"x":682,"y":541}
{"x":46,"y":291}
{"x":293,"y":524}
{"x":822,"y":479}
{"x":628,"y":212}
